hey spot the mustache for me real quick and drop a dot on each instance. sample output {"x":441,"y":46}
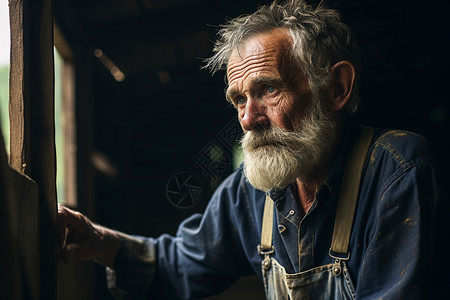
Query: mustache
{"x":269,"y":136}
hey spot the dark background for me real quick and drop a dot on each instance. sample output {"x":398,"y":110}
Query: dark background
{"x":150,"y":127}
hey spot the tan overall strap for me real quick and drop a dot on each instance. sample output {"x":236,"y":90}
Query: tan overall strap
{"x":267,"y":224}
{"x":348,"y":195}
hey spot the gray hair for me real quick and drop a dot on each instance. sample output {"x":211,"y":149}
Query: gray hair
{"x":319,"y":40}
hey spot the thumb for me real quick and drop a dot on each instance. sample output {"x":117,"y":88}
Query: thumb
{"x":74,"y":252}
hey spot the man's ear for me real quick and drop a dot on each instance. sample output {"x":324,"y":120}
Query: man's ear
{"x":343,"y":77}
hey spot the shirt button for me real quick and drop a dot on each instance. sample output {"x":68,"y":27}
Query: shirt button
{"x":292,"y":212}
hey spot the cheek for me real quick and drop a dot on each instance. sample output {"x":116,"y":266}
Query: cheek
{"x":300,"y":107}
{"x":279,"y":118}
{"x":284,"y":114}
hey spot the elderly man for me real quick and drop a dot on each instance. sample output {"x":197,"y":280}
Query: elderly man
{"x":322,"y":208}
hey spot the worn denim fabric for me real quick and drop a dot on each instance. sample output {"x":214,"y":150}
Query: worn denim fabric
{"x":316,"y":283}
{"x":398,"y":247}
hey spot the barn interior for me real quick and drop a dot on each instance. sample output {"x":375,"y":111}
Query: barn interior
{"x":146,"y":114}
{"x":167,"y":115}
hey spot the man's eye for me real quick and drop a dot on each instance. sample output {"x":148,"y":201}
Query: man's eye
{"x":240,"y":100}
{"x":271,"y":89}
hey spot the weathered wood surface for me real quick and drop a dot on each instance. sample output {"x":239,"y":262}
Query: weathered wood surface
{"x":19,"y":86}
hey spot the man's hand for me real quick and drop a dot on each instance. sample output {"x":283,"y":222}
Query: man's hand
{"x":79,"y":239}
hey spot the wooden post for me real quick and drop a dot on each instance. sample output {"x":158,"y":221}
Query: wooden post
{"x":18,"y":85}
{"x":32,"y":121}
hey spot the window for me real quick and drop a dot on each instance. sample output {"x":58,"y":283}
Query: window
{"x":4,"y":71}
{"x":65,"y":135}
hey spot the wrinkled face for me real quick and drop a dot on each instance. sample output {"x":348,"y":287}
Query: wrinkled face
{"x":288,"y":130}
{"x":264,"y":85}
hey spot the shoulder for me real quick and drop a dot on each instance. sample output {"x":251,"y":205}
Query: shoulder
{"x":401,"y":149}
{"x":405,"y":146}
{"x":237,"y":183}
{"x":232,"y":181}
{"x":236,"y":198}
{"x":236,"y":188}
{"x":398,"y":156}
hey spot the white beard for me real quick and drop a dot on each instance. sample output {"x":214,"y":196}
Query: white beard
{"x":275,"y":158}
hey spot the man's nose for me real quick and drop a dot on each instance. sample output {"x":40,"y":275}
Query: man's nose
{"x":254,"y":116}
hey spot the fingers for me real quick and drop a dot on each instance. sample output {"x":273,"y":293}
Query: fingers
{"x":72,"y":229}
{"x":62,"y":229}
{"x":79,"y":239}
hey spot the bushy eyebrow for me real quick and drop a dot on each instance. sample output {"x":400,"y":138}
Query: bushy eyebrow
{"x":268,"y":80}
{"x":262,"y":79}
{"x":230,"y":94}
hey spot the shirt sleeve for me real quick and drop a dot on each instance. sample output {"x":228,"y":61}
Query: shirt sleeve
{"x":405,"y":257}
{"x":134,"y":268}
{"x":204,"y":258}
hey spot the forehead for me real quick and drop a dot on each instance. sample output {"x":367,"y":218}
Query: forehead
{"x":259,"y":52}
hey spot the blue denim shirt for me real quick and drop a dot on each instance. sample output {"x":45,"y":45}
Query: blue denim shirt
{"x":397,"y":247}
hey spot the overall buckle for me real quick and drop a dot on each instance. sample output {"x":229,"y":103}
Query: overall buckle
{"x":339,"y":256}
{"x":262,"y":251}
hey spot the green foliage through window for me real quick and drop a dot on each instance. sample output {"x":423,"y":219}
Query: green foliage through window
{"x":59,"y":127}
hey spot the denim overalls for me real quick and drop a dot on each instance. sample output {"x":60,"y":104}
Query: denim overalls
{"x":330,"y":281}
